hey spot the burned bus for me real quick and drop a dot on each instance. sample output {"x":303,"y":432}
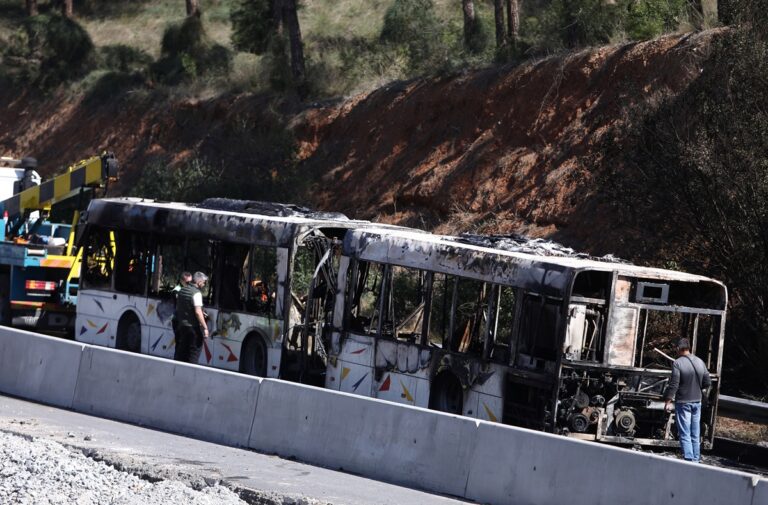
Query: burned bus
{"x":271,"y":269}
{"x":521,"y":332}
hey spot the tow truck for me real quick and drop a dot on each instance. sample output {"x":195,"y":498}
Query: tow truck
{"x":39,"y":263}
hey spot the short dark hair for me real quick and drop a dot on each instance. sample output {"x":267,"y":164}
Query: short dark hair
{"x":684,"y":344}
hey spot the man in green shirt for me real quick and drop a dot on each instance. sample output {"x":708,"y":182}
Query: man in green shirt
{"x":190,"y":320}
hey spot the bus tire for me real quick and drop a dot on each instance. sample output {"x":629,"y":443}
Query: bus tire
{"x":446,"y":394}
{"x":253,"y":358}
{"x":129,"y":333}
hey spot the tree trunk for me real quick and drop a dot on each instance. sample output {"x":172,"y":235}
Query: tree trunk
{"x":278,"y":13}
{"x":468,"y":7}
{"x":193,"y":7}
{"x":66,"y":8}
{"x":498,"y":15}
{"x":32,"y":7}
{"x":726,"y":12}
{"x":297,"y":48}
{"x":513,"y":21}
{"x":571,"y":34}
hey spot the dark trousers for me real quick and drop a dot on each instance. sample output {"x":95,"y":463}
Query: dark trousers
{"x":189,"y":343}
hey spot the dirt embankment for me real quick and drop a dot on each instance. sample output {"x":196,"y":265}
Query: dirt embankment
{"x":503,"y":149}
{"x":497,"y":150}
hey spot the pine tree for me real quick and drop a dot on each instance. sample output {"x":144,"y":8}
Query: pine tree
{"x":513,"y":21}
{"x":468,"y":8}
{"x":291,"y":20}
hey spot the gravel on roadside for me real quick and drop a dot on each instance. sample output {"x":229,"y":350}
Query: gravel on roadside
{"x":38,"y":471}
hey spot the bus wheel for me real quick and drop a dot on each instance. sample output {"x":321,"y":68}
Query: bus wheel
{"x":446,"y":394}
{"x":129,"y":333}
{"x":253,"y":359}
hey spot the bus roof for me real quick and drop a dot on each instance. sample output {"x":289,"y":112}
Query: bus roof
{"x":215,"y":220}
{"x":469,"y":256}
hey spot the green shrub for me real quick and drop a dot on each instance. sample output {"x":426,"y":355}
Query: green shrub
{"x":183,"y":183}
{"x":187,"y":52}
{"x":479,"y":36}
{"x":262,"y":163}
{"x":252,"y":26}
{"x":187,"y":36}
{"x":413,"y":25}
{"x":406,"y":20}
{"x":48,"y":50}
{"x":587,"y":22}
{"x":646,"y":19}
{"x":199,"y":179}
{"x":122,"y":58}
{"x":111,"y":85}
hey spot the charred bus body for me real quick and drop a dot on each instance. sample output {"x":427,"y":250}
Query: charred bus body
{"x":496,"y":328}
{"x":518,"y":332}
{"x":272,"y":280}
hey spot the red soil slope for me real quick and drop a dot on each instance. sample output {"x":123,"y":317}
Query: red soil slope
{"x":498,"y":150}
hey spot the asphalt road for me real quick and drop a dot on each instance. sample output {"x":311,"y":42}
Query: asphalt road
{"x":154,"y":455}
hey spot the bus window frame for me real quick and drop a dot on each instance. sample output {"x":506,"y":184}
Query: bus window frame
{"x":90,"y":231}
{"x":490,"y":310}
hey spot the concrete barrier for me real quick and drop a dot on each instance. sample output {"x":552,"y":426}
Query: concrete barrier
{"x":761,"y":493}
{"x":213,"y":405}
{"x":512,"y":465}
{"x":377,"y":439}
{"x":486,"y":462}
{"x":40,"y":368}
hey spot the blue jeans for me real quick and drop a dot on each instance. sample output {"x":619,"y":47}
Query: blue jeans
{"x":688,"y":419}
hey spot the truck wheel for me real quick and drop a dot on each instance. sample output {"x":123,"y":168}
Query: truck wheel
{"x":5,"y":311}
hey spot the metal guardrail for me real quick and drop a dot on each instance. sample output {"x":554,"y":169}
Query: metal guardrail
{"x":745,"y":410}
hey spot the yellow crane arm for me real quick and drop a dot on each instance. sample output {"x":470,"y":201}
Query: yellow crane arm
{"x":94,"y":171}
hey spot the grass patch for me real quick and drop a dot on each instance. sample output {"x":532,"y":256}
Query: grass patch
{"x":342,"y":38}
{"x":142,"y":24}
{"x":734,"y":429}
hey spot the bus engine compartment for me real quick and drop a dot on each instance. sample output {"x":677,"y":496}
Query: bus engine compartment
{"x":619,"y":406}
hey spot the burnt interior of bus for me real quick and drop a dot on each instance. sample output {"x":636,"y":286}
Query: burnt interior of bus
{"x":613,"y":387}
{"x":465,"y":323}
{"x":433,"y":310}
{"x":312,"y":295}
{"x":610,"y":388}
